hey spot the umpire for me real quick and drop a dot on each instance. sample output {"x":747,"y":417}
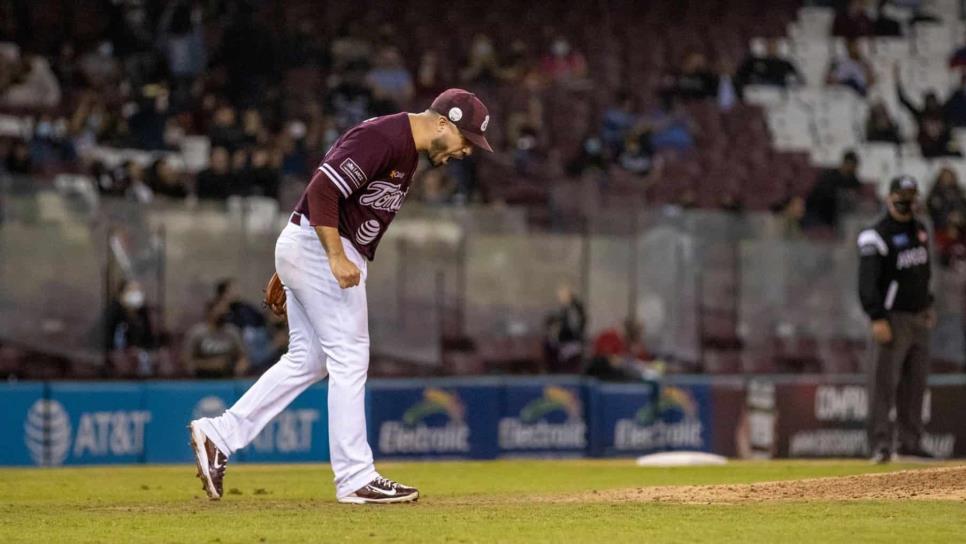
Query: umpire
{"x":894,"y":272}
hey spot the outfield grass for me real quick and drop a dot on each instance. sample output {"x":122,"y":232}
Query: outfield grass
{"x":500,"y":501}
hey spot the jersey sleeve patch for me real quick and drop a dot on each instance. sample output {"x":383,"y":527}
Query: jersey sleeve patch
{"x":353,"y":172}
{"x":869,"y":238}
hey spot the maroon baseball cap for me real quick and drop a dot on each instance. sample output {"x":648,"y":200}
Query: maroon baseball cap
{"x":467,"y":112}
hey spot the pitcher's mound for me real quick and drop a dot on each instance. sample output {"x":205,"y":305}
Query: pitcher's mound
{"x":947,"y":483}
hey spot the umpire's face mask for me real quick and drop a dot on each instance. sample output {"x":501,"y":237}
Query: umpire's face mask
{"x":903,"y":204}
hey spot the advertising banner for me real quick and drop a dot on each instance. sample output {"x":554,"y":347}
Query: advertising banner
{"x":298,"y":433}
{"x":633,"y":419}
{"x":448,"y":419}
{"x":96,"y":423}
{"x":543,"y":418}
{"x":172,"y":405}
{"x":25,"y":421}
{"x":828,"y":420}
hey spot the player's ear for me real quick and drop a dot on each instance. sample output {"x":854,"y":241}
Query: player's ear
{"x":440,"y":124}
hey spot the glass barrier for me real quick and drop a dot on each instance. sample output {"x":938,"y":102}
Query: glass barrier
{"x":691,"y":278}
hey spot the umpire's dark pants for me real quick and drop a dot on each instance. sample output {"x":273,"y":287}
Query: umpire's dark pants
{"x":897,"y":379}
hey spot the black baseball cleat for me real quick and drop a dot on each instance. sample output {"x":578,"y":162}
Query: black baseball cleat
{"x":882,"y":456}
{"x":382,"y":491}
{"x":210,"y":460}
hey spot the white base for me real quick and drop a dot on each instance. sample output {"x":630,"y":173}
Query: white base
{"x":680,"y":459}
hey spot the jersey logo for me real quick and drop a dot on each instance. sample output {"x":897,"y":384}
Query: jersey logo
{"x":923,"y":236}
{"x":382,"y":195}
{"x":900,"y":240}
{"x":912,"y":257}
{"x":351,"y":169}
{"x":396,"y":174}
{"x":368,"y":232}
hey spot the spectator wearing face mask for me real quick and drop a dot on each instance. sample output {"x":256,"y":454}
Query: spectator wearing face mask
{"x":129,"y":335}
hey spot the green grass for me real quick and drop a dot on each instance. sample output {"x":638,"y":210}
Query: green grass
{"x":463,"y":502}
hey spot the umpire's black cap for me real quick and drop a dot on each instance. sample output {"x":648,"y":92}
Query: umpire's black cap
{"x":902,"y":184}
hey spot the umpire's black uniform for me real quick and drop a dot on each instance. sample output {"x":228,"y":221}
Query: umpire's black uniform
{"x":894,"y":271}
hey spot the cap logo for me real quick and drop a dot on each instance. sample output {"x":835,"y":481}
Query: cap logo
{"x":486,"y":121}
{"x":455,"y":114}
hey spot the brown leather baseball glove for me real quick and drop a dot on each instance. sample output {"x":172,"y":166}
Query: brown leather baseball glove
{"x":275,"y":296}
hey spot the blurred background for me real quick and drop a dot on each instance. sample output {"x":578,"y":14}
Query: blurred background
{"x":676,"y":189}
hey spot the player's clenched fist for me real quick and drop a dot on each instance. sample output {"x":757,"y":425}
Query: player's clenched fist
{"x":345,"y":271}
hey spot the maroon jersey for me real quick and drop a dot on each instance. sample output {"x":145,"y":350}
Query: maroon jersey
{"x":363,"y":181}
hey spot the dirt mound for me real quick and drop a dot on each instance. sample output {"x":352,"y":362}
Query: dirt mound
{"x":948,"y":483}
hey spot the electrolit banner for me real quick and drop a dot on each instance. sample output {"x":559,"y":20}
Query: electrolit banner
{"x":433,"y":421}
{"x":646,"y":418}
{"x":543,"y":419}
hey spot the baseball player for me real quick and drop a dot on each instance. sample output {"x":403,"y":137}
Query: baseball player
{"x":320,"y":258}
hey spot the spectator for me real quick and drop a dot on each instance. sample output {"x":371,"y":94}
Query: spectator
{"x":852,"y":71}
{"x":482,"y":66}
{"x":217,"y":181}
{"x":349,"y":98}
{"x":18,"y":160}
{"x":182,"y":41}
{"x":771,"y":70}
{"x":527,"y":155}
{"x":853,"y":21}
{"x":237,"y":312}
{"x":945,"y":198}
{"x":617,"y":122}
{"x":265,"y":178}
{"x":879,"y":126}
{"x":951,"y":242}
{"x":832,"y":194}
{"x":429,"y":77}
{"x":562,"y":63}
{"x":884,"y":25}
{"x":564,"y":341}
{"x":32,"y":85}
{"x":934,"y":135}
{"x":129,"y":336}
{"x":391,"y":83}
{"x":618,"y":352}
{"x":518,"y":67}
{"x":250,"y":322}
{"x":695,"y":81}
{"x":164,"y":180}
{"x":147,"y":125}
{"x":224,"y":130}
{"x":670,"y":127}
{"x":638,"y":155}
{"x":214,"y":348}
{"x":954,"y":110}
{"x":435,"y":187}
{"x":591,"y":157}
{"x":790,"y":213}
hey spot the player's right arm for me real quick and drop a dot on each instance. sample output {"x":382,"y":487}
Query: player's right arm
{"x":347,"y":168}
{"x":344,"y":270}
{"x":872,"y":252}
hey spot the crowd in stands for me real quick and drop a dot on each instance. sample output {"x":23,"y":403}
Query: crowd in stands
{"x":260,"y":90}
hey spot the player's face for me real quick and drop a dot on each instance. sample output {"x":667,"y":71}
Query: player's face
{"x":448,"y":144}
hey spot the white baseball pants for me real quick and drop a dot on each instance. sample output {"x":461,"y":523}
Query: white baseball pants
{"x":328,"y":335}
